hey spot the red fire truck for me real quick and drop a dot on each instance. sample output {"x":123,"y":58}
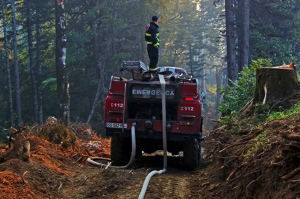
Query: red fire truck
{"x":138,"y":101}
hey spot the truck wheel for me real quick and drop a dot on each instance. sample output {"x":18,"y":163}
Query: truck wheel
{"x":120,"y":151}
{"x":191,"y":154}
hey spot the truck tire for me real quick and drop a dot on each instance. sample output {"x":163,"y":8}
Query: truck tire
{"x":191,"y":154}
{"x":120,"y":151}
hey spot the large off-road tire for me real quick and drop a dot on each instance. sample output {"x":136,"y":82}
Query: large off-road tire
{"x":191,"y":155}
{"x":120,"y":149}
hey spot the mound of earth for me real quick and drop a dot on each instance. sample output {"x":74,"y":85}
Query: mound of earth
{"x":254,"y":161}
{"x":49,"y":169}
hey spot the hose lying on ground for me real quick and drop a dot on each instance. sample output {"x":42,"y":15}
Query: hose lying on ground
{"x":132,"y":157}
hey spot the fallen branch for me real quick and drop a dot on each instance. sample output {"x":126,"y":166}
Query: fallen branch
{"x":77,"y":160}
{"x":253,"y":171}
{"x":205,"y":184}
{"x":59,"y":186}
{"x":295,"y":181}
{"x":207,"y":155}
{"x":280,"y":163}
{"x":246,"y":107}
{"x":252,"y":136}
{"x":290,"y":136}
{"x":108,"y":165}
{"x":253,"y":181}
{"x":214,"y":142}
{"x":229,"y":157}
{"x":292,"y":145}
{"x":84,"y":180}
{"x":253,"y":132}
{"x":281,"y":101}
{"x":230,"y":146}
{"x":24,"y":181}
{"x":234,"y":171}
{"x":102,"y":158}
{"x":226,"y":163}
{"x":291,"y":174}
{"x":217,"y":130}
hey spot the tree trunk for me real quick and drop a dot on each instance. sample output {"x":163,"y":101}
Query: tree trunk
{"x":203,"y":79}
{"x":61,"y":69}
{"x":244,"y":35}
{"x":10,"y":98}
{"x":191,"y":61}
{"x":219,"y":85}
{"x":100,"y":90}
{"x":98,"y":62}
{"x":32,"y":71}
{"x":38,"y":64}
{"x":275,"y":85}
{"x":16,"y":67}
{"x":143,"y":47}
{"x":230,"y":41}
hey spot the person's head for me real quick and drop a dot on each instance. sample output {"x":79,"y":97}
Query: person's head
{"x":155,"y":18}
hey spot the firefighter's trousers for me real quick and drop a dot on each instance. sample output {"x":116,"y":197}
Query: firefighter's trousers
{"x":153,"y":56}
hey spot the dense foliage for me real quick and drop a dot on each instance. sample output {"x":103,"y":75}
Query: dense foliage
{"x":101,"y":34}
{"x":274,"y":31}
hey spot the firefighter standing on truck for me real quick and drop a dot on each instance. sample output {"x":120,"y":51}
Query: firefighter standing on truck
{"x":152,"y":38}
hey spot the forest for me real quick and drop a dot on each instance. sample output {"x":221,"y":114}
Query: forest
{"x":213,"y":40}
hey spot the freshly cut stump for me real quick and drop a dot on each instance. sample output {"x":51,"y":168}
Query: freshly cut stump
{"x":275,"y":84}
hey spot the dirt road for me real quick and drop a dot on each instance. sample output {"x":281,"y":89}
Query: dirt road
{"x":55,"y":173}
{"x":95,"y":182}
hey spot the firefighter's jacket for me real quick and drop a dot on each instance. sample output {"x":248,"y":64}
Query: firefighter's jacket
{"x":152,"y":34}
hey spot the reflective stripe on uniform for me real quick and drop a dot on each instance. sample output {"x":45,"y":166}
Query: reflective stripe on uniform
{"x":153,"y":69}
{"x":148,"y":39}
{"x":157,"y":38}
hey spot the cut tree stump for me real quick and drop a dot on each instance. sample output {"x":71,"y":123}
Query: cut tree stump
{"x":275,"y":87}
{"x":275,"y":84}
{"x":26,"y":150}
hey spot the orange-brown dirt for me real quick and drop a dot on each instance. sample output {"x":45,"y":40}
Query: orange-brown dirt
{"x":250,"y":162}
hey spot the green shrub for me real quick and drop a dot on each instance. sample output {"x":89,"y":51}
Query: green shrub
{"x":242,"y":90}
{"x":282,"y":114}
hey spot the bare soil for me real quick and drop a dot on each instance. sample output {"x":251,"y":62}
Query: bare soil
{"x":237,"y":163}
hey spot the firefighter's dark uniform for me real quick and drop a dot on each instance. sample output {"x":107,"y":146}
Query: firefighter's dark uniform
{"x":152,"y":38}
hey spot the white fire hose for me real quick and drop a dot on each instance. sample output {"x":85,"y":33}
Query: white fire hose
{"x":132,"y":157}
{"x":152,"y":173}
